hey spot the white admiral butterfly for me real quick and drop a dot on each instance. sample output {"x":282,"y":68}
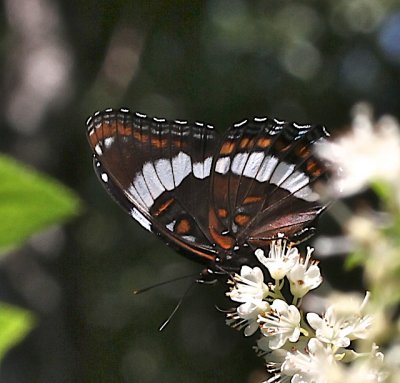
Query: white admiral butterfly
{"x":214,"y":199}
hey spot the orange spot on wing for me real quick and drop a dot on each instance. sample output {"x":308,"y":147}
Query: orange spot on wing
{"x":139,"y":136}
{"x":183,"y":227}
{"x":105,"y":130}
{"x":123,"y":130}
{"x":313,"y":168}
{"x":264,"y":142}
{"x":222,"y":213}
{"x":285,"y":148}
{"x":251,"y":199}
{"x":179,"y":144}
{"x":226,"y":242}
{"x":242,"y":219}
{"x":164,"y":207}
{"x":302,"y":151}
{"x":244,"y":142}
{"x":159,"y":143}
{"x":227,"y":148}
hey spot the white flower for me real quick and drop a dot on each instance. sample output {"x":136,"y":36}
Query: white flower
{"x":372,"y":368}
{"x":248,"y":286}
{"x":343,"y":321}
{"x":367,"y":153}
{"x":310,"y":366}
{"x":246,"y":316}
{"x":304,"y":276}
{"x":280,"y":324}
{"x":280,"y":260}
{"x":367,"y":369}
{"x":250,"y":290}
{"x":273,"y":361}
{"x":328,"y":329}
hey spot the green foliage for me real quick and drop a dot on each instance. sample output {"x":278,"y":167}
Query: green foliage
{"x":15,"y":323}
{"x":383,"y":189}
{"x":29,"y":202}
{"x":357,"y":258}
{"x":388,"y":194}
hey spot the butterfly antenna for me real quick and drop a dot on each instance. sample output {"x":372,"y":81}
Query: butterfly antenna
{"x":165,"y":323}
{"x":224,"y":311}
{"x":223,"y":271}
{"x":139,"y":291}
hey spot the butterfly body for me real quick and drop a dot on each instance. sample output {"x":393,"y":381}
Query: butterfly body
{"x":214,"y":199}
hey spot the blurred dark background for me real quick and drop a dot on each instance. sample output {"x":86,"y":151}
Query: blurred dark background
{"x":217,"y":61}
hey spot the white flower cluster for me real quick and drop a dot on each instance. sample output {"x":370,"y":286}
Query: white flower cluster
{"x":368,"y":153}
{"x":300,"y":348}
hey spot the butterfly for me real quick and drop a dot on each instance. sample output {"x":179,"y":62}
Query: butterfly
{"x":214,"y":198}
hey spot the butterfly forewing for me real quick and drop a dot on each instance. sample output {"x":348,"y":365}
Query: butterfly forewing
{"x":159,"y":172}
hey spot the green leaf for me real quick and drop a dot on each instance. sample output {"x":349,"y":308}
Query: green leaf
{"x":384,"y":190}
{"x":357,"y":258}
{"x":15,"y":323}
{"x":29,"y":202}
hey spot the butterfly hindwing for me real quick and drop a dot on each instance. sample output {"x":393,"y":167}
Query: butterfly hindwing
{"x":269,"y":172}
